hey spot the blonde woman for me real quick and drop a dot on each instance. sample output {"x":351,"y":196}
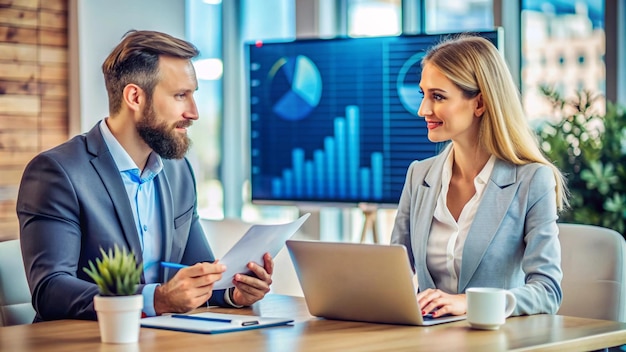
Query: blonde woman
{"x":483,"y":212}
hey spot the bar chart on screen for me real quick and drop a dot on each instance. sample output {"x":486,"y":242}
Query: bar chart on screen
{"x":335,"y":120}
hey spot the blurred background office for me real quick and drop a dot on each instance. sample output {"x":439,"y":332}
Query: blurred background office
{"x":51,"y":85}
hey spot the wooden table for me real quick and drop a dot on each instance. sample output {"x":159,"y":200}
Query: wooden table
{"x":539,"y":332}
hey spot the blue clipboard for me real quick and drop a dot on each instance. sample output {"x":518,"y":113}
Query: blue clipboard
{"x":212,"y":323}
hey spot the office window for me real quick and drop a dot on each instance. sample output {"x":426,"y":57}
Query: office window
{"x":458,"y":15}
{"x":203,"y":29}
{"x":268,"y":20}
{"x":260,"y":20}
{"x":562,"y":47}
{"x":374,"y":17}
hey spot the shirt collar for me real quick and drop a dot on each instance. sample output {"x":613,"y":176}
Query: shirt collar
{"x":484,"y":175}
{"x":123,"y":161}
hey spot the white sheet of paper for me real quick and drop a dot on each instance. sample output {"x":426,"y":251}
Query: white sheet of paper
{"x":258,"y":240}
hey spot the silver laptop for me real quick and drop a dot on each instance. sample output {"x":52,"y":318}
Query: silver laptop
{"x":359,"y":282}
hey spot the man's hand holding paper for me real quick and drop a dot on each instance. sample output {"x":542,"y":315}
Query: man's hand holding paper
{"x":251,"y":254}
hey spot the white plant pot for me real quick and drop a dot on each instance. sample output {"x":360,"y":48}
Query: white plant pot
{"x":119,"y":317}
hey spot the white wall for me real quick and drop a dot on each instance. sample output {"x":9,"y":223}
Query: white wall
{"x":99,"y":27}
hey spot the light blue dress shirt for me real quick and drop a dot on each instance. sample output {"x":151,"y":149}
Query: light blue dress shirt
{"x":144,"y":200}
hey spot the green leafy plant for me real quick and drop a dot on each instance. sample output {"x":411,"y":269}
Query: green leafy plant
{"x":590,"y":149}
{"x":116,"y":273}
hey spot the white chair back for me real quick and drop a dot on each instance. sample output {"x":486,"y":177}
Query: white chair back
{"x":15,"y":300}
{"x":594,"y":276}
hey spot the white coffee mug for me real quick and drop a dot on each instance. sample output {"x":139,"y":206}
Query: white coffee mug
{"x":488,"y":308}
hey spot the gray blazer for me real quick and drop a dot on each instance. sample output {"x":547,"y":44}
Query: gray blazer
{"x":72,"y":201}
{"x":512,"y":243}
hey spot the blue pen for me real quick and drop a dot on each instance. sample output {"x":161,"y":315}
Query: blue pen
{"x":237,"y":322}
{"x":173,"y":265}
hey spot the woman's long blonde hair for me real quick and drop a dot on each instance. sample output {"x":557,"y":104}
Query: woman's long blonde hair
{"x":474,"y":65}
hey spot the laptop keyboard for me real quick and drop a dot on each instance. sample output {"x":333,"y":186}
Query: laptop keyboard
{"x":429,"y":316}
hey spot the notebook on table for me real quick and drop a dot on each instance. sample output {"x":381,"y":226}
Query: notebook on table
{"x":359,"y":282}
{"x":212,"y":323}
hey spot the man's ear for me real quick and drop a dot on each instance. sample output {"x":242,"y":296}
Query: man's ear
{"x":479,"y":110}
{"x":133,"y":97}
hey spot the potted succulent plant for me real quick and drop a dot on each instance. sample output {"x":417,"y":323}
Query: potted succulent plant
{"x":118,"y":306}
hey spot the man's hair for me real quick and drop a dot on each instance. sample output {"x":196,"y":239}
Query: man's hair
{"x":136,"y":60}
{"x":475,"y":66}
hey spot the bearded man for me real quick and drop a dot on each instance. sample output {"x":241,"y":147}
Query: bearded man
{"x":127,"y":182}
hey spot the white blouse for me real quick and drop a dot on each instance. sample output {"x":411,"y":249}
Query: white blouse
{"x":447,"y":236}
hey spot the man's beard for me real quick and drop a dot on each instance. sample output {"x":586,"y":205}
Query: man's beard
{"x":163,"y":138}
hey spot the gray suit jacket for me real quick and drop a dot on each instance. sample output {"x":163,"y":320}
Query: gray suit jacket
{"x":72,"y":201}
{"x":512,"y":243}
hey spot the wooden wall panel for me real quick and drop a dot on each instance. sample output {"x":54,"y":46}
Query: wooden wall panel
{"x":9,"y":123}
{"x":56,"y":20}
{"x":16,"y":157}
{"x":29,"y":87}
{"x":11,"y":176}
{"x":21,"y":71}
{"x":8,"y":227}
{"x":7,"y":207}
{"x":18,"y":53}
{"x":33,"y":92}
{"x":56,"y":5}
{"x":53,"y":55}
{"x":53,"y":106}
{"x":29,"y":4}
{"x":20,"y":104}
{"x":50,"y":72}
{"x":18,"y":35}
{"x":53,"y":37}
{"x":54,"y":90}
{"x":51,"y":138}
{"x":19,"y":17}
{"x":54,"y":120}
{"x":19,"y":140}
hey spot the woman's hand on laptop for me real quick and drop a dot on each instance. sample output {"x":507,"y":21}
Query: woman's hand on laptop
{"x":249,"y":289}
{"x":439,"y":303}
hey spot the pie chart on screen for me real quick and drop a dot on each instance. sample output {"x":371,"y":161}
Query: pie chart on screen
{"x":296,"y":87}
{"x":408,"y":83}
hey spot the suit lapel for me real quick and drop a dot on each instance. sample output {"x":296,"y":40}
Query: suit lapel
{"x":167,"y":211}
{"x":106,"y":168}
{"x":425,"y":209}
{"x":489,"y":215}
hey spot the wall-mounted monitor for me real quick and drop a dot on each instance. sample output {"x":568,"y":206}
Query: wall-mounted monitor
{"x":335,"y":120}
